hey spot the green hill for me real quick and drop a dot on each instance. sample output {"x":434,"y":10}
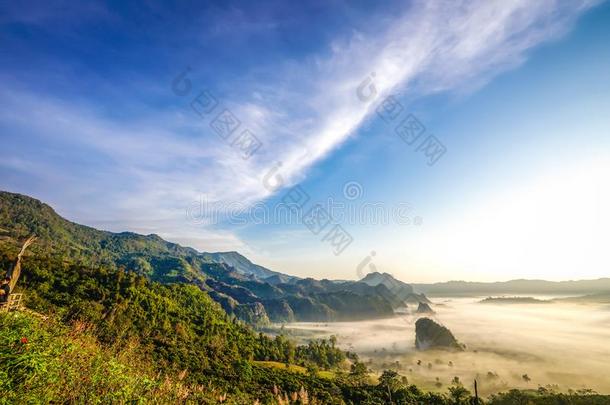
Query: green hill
{"x":247,"y":290}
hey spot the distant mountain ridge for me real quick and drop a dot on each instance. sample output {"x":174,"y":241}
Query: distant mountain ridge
{"x":520,"y":286}
{"x":398,"y":290}
{"x":244,"y":289}
{"x":376,"y":278}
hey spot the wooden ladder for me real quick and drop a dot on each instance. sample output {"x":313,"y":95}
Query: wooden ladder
{"x":13,"y":303}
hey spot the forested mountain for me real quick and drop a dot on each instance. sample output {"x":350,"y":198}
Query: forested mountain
{"x":249,"y":291}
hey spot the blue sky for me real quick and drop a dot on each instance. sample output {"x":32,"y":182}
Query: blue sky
{"x":516,"y":92}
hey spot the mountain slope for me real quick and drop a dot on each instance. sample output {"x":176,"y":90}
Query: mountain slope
{"x":244,"y":266}
{"x":239,"y":285}
{"x":22,"y":215}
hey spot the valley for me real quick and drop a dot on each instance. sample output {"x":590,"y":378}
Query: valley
{"x":503,"y":343}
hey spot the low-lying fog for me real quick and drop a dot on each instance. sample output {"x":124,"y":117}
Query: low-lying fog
{"x":561,"y":344}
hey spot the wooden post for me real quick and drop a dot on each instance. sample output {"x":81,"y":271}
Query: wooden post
{"x":16,"y":271}
{"x":476,"y":393}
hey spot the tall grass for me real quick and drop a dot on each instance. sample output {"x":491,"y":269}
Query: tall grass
{"x":45,"y":361}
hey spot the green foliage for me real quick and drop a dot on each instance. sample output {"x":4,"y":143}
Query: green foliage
{"x":459,"y":395}
{"x":47,"y":361}
{"x":545,"y":397}
{"x":180,"y":322}
{"x":322,"y":353}
{"x":358,"y":374}
{"x":312,"y":369}
{"x":390,"y":381}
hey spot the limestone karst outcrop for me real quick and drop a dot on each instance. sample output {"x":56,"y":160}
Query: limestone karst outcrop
{"x":429,"y":335}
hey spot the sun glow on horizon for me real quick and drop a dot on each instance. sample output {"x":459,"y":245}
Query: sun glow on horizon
{"x":551,"y":227}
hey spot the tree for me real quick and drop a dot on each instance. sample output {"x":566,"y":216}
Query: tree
{"x":459,"y":395}
{"x":390,"y":382}
{"x":513,"y":397}
{"x":358,"y":374}
{"x":312,"y":369}
{"x":16,"y":270}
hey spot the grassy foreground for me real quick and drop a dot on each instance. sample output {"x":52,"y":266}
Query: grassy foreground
{"x":42,"y":360}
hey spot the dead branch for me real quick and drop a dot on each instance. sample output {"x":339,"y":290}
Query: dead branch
{"x":16,"y":271}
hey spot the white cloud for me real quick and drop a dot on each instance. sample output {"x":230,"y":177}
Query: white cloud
{"x":153,"y":166}
{"x":432,"y":46}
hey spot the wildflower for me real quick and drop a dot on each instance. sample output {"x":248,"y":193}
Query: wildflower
{"x":23,"y":340}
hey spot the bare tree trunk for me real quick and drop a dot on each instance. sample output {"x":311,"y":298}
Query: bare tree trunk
{"x":476,"y":393}
{"x":16,"y":271}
